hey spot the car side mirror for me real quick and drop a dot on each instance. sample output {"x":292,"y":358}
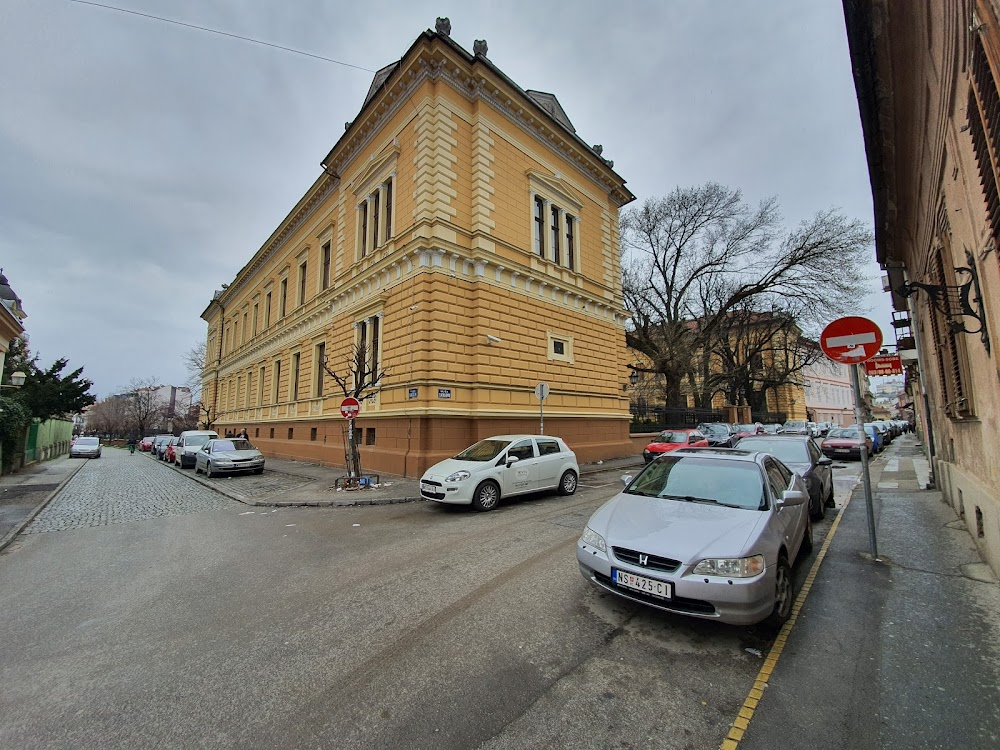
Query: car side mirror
{"x":825,"y":461}
{"x":627,"y":480}
{"x":511,"y":460}
{"x":791,"y":498}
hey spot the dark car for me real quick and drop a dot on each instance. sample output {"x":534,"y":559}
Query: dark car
{"x":719,"y":434}
{"x":846,"y":442}
{"x":800,"y":454}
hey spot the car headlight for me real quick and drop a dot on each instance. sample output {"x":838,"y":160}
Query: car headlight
{"x":731,"y":567}
{"x":458,"y":476}
{"x":594,"y":539}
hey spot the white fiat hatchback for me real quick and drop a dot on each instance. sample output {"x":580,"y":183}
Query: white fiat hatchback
{"x":499,"y":467}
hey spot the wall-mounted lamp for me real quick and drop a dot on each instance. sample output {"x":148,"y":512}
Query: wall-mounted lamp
{"x":16,"y":380}
{"x":493,"y":339}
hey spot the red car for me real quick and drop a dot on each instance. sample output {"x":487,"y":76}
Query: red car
{"x":146,"y":444}
{"x":671,"y":440}
{"x":168,"y":454}
{"x":746,"y":430}
{"x":846,"y":442}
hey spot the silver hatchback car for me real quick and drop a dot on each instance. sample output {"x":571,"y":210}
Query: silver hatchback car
{"x":709,"y":533}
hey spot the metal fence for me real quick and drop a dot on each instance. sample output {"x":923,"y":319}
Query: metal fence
{"x":769,"y":417}
{"x":654,"y":419}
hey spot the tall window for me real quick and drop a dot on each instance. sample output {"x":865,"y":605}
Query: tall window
{"x":326,"y":265}
{"x":267,"y":310}
{"x":363,"y":210}
{"x":375,"y":215}
{"x":254,"y":333}
{"x":950,"y":357}
{"x":244,"y":339}
{"x":570,"y":242}
{"x":540,"y":226}
{"x":260,"y":386}
{"x":296,"y":359}
{"x":556,"y":254}
{"x":229,"y":343}
{"x":239,"y":386}
{"x":302,"y":283}
{"x":369,"y":342}
{"x":319,"y":358}
{"x":388,"y":209}
{"x":276,"y":385}
{"x":982,"y":110}
{"x":282,"y":298}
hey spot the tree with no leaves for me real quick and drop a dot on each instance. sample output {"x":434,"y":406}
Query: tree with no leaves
{"x":697,"y":259}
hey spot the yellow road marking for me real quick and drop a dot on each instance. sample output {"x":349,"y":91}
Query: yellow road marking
{"x":742,"y":720}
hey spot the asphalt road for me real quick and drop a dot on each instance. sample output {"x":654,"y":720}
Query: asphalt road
{"x":216,"y":625}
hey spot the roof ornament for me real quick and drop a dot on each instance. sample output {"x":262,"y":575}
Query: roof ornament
{"x":443,"y":26}
{"x":598,"y":149}
{"x":479,"y":47}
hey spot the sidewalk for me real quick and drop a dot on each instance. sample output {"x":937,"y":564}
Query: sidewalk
{"x":25,"y":493}
{"x":899,"y":653}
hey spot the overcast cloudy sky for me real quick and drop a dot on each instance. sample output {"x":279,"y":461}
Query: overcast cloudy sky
{"x":144,"y":163}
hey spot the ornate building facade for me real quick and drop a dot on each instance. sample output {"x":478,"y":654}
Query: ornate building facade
{"x":464,"y":239}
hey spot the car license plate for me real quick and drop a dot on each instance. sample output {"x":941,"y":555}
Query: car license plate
{"x":424,"y":487}
{"x":651,"y":586}
{"x":841,"y":450}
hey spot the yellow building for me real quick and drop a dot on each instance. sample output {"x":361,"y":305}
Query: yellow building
{"x":465,"y":238}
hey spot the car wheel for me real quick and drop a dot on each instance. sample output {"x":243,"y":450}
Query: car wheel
{"x":487,"y":496}
{"x":196,"y":469}
{"x":807,"y":539}
{"x":208,"y":469}
{"x":259,"y":471}
{"x":782,"y":594}
{"x":567,"y":484}
{"x":818,"y":510}
{"x":828,"y":501}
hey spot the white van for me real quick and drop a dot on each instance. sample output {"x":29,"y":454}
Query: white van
{"x":189,"y":444}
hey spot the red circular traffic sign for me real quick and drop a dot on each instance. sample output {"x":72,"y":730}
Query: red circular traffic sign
{"x":350,"y":407}
{"x":851,"y":340}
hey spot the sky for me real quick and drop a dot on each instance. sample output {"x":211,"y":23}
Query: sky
{"x":144,"y":163}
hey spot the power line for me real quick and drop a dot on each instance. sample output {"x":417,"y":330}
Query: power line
{"x":221,"y":33}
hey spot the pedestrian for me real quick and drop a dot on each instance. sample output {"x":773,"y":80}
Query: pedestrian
{"x":131,"y":446}
{"x":244,"y":434}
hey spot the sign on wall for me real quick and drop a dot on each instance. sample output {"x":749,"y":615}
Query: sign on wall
{"x":444,"y":392}
{"x":884,"y":364}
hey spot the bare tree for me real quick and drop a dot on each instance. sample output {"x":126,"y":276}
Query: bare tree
{"x":109,"y":417}
{"x":361,"y":373}
{"x":143,"y":408}
{"x":194,"y":363}
{"x":695,"y":257}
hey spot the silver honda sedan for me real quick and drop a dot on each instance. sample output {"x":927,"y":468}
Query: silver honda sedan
{"x":708,"y":532}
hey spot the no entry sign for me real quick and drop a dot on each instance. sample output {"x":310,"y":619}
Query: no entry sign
{"x":349,"y":408}
{"x":884,"y":364}
{"x":851,"y":340}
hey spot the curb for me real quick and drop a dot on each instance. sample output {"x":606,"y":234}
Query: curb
{"x":12,"y":534}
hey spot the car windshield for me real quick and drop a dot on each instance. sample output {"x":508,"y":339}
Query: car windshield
{"x":697,"y":479}
{"x":790,"y":451}
{"x":484,"y":450}
{"x":87,"y":441}
{"x":197,"y":439}
{"x":771,"y":428}
{"x":846,"y":434}
{"x":746,"y":427}
{"x":795,"y":425}
{"x":672,"y":437}
{"x":715,"y":429}
{"x":231,"y":445}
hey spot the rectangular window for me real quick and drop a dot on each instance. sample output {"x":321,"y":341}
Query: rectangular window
{"x":272,"y":433}
{"x":319,"y":359}
{"x":370,"y":436}
{"x":556,"y":254}
{"x":362,"y":359}
{"x":282,"y":298}
{"x":558,"y":347}
{"x":296,"y":358}
{"x":388,"y":209}
{"x":375,"y":321}
{"x":570,"y":242}
{"x":540,"y":226}
{"x":244,"y":339}
{"x":375,"y":213}
{"x":363,"y":218}
{"x":228,"y":340}
{"x":256,"y":432}
{"x":326,"y":265}
{"x":260,"y":387}
{"x":291,"y":433}
{"x":302,"y":283}
{"x":267,"y":310}
{"x":239,"y":386}
{"x":312,"y":434}
{"x":276,"y":385}
{"x":254,"y":332}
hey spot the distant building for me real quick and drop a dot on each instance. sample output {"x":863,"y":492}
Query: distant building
{"x":828,"y":392}
{"x":11,"y":315}
{"x":171,"y":399}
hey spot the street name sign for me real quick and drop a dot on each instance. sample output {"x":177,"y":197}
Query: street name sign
{"x":851,"y":340}
{"x":349,"y":408}
{"x":884,"y":364}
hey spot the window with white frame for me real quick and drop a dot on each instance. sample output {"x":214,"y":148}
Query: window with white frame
{"x":296,"y":362}
{"x":260,"y":386}
{"x":560,"y":347}
{"x":375,"y":217}
{"x":556,"y":226}
{"x":276,"y":381}
{"x":303,"y":272}
{"x":319,"y":360}
{"x":283,"y":298}
{"x":326,"y":253}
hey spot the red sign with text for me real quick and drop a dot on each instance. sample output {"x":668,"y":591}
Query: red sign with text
{"x":349,"y":408}
{"x":851,"y":340}
{"x":884,"y":364}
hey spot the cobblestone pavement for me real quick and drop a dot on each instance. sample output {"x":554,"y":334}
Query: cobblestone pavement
{"x":118,"y":488}
{"x":256,"y":485}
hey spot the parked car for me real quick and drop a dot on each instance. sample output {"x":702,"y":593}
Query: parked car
{"x":146,"y":444}
{"x":845,"y":442}
{"x":85,"y":447}
{"x":753,"y":428}
{"x":499,"y":467}
{"x":885,"y":429}
{"x":227,"y":456}
{"x":160,"y":445}
{"x":878,"y":438}
{"x":774,"y":429}
{"x":710,"y":534}
{"x":824,"y":428}
{"x":719,"y":434}
{"x":800,"y":454}
{"x":671,"y":440}
{"x":168,"y":454}
{"x":188,"y":446}
{"x":796,"y":427}
{"x":813,"y":429}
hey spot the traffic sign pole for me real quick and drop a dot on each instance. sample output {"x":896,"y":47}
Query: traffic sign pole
{"x":865,"y":474}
